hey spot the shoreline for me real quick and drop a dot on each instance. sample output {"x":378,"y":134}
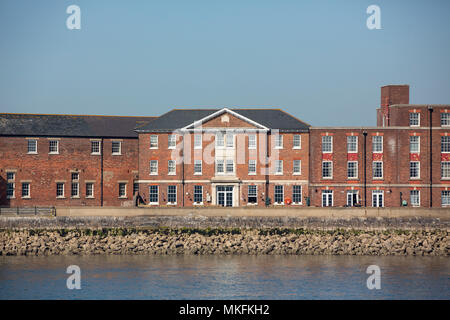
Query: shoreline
{"x":222,"y":241}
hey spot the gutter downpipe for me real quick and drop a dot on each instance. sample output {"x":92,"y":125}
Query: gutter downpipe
{"x":101,"y":174}
{"x":365,"y":168}
{"x":430,"y":109}
{"x":267,"y":168}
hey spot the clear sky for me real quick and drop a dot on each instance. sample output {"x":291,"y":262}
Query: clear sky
{"x":315,"y":59}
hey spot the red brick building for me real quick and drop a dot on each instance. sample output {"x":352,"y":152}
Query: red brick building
{"x":228,"y":157}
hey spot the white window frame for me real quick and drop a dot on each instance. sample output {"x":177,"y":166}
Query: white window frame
{"x":252,"y":195}
{"x":152,"y":143}
{"x":63,"y":191}
{"x":445,"y":122}
{"x":411,"y":197}
{"x":374,"y":170}
{"x":418,"y":119}
{"x":447,"y":196}
{"x":35,"y":146}
{"x":331,"y":169}
{"x":172,"y":141}
{"x":171,"y":202}
{"x":356,"y":170}
{"x":447,"y":144}
{"x":327,"y":143}
{"x":377,"y":144}
{"x":227,"y":163}
{"x":174,"y":172}
{"x":28,"y":195}
{"x":355,"y":144}
{"x":201,"y":193}
{"x":252,"y":141}
{"x":301,"y":194}
{"x":418,"y":170}
{"x":222,"y":162}
{"x":120,"y":148}
{"x":415,"y":143}
{"x":294,"y":146}
{"x":278,"y":167}
{"x":278,"y":141}
{"x":99,"y":147}
{"x":89,"y":196}
{"x":251,"y":165}
{"x":383,"y":199}
{"x":275,"y":193}
{"x":153,"y":173}
{"x":198,"y":163}
{"x":299,"y":172}
{"x":220,"y":137}
{"x":124,"y":195}
{"x":50,"y":146}
{"x":77,"y":189}
{"x":150,"y":193}
{"x":445,"y":170}
{"x":229,"y":143}
{"x":198,"y":141}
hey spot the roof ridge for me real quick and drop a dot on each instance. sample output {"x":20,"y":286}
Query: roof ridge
{"x":75,"y":115}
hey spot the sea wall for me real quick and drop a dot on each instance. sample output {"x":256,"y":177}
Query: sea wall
{"x":223,"y":241}
{"x":245,"y":222}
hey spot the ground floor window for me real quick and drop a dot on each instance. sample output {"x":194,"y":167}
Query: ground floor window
{"x":198,"y":194}
{"x":75,"y":189}
{"x":279,"y":194}
{"x":89,"y":190}
{"x":352,"y":198}
{"x":445,"y":197}
{"x":377,"y":198}
{"x":172,"y":194}
{"x":297,"y":194}
{"x":122,"y":190}
{"x":414,"y":196}
{"x":153,"y":195}
{"x":60,"y":190}
{"x":10,"y":190}
{"x":25,"y":190}
{"x":327,"y":198}
{"x":252,"y":194}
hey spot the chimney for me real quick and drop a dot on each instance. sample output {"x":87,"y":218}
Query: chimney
{"x":392,"y":94}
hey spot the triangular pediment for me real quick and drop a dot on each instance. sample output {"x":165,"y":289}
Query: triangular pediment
{"x":225,"y":118}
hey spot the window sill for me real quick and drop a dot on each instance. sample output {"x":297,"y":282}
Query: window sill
{"x":251,"y":148}
{"x":197,"y":148}
{"x":154,"y":203}
{"x":197,"y":174}
{"x":96,"y":154}
{"x":57,"y":198}
{"x":278,"y":173}
{"x":32,"y":153}
{"x":75,"y":197}
{"x":297,"y":148}
{"x":378,"y":178}
{"x":278,"y":148}
{"x":116,"y":154}
{"x":171,"y":174}
{"x":26,"y":197}
{"x":122,"y":198}
{"x":327,"y":178}
{"x":153,"y":148}
{"x":171,"y":203}
{"x":90,"y":197}
{"x":153,"y":174}
{"x":327,"y":151}
{"x":278,"y":204}
{"x":353,"y":178}
{"x":296,"y":203}
{"x":198,"y":203}
{"x":252,"y":174}
{"x":297,"y":174}
{"x":53,"y":153}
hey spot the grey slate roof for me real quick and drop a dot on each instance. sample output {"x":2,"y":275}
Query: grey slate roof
{"x":270,"y":118}
{"x":12,"y":124}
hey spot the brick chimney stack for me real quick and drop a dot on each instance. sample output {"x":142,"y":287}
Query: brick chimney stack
{"x":392,"y":94}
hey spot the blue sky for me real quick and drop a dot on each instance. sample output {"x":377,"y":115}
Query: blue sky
{"x":314,"y":59}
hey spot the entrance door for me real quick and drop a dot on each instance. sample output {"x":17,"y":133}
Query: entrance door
{"x":225,"y":196}
{"x":327,"y":198}
{"x":352,"y":198}
{"x":377,"y":198}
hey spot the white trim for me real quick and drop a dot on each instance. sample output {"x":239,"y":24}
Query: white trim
{"x":219,"y":112}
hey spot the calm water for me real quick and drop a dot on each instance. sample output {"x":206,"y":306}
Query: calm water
{"x":224,"y":277}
